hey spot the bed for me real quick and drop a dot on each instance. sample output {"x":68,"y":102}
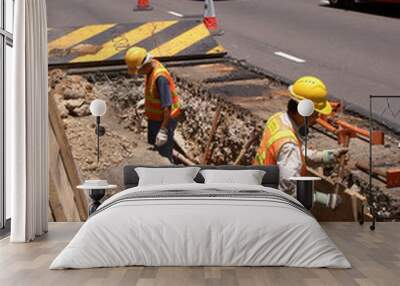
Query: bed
{"x":201,"y":224}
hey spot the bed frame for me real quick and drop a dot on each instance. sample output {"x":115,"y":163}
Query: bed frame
{"x":271,"y":177}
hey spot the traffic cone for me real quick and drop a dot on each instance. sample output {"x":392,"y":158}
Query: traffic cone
{"x":143,"y":5}
{"x":210,"y":19}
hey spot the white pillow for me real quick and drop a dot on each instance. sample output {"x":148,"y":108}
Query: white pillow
{"x":248,"y":177}
{"x":166,"y":176}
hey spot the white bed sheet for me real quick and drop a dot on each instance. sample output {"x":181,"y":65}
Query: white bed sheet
{"x":200,"y":232}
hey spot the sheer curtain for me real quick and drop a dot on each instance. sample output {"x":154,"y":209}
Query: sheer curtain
{"x":27,"y":124}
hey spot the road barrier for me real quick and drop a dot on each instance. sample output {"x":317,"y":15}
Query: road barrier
{"x":107,"y":43}
{"x":143,"y":5}
{"x":210,"y":18}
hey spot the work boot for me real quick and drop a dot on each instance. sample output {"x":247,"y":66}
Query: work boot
{"x":334,"y":201}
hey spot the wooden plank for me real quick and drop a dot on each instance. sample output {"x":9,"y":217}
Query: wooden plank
{"x":57,"y":211}
{"x":207,"y":151}
{"x":50,"y":214}
{"x":67,"y":158}
{"x":61,"y":195}
{"x":342,"y":213}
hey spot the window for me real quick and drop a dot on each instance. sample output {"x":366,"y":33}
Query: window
{"x":9,"y":13}
{"x":6,"y":44}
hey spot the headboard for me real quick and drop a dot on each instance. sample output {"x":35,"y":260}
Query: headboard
{"x":271,"y":177}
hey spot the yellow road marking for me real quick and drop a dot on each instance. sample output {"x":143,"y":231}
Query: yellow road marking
{"x":78,"y":35}
{"x":124,"y":41}
{"x":218,"y":49}
{"x":181,"y":42}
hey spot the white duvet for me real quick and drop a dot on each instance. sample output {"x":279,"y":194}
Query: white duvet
{"x":202,"y":231}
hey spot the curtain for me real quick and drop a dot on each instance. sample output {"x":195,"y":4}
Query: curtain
{"x":27,"y":123}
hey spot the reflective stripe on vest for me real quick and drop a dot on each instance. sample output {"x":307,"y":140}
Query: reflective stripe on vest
{"x":281,"y":135}
{"x":152,"y":104}
{"x":276,"y":133}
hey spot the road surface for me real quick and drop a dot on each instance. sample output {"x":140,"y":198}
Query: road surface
{"x":355,"y":53}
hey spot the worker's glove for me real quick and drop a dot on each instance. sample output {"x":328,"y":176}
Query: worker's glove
{"x":332,"y":156}
{"x":162,"y":137}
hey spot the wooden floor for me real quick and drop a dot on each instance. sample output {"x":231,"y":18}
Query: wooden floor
{"x":375,"y":257}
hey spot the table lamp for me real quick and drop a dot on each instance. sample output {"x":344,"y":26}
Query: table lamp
{"x":98,"y":108}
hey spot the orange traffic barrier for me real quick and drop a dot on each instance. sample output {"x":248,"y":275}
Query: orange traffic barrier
{"x":390,"y":176}
{"x":210,"y":18}
{"x":378,"y":137}
{"x":321,"y":121}
{"x":143,"y":5}
{"x":393,"y":177}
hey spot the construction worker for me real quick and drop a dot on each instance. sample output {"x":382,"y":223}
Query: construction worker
{"x":162,"y":106}
{"x":281,"y":143}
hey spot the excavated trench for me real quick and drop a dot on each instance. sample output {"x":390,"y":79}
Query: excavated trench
{"x":226,"y":105}
{"x":234,"y":126}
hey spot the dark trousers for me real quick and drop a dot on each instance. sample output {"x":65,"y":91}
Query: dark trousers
{"x":152,"y":131}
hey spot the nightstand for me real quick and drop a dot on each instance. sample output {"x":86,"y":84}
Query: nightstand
{"x":305,"y":190}
{"x":96,"y":193}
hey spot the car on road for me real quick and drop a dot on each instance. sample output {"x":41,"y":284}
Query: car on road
{"x":341,"y":3}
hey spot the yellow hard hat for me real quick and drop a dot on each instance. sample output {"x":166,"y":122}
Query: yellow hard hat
{"x":136,"y":58}
{"x":314,"y":89}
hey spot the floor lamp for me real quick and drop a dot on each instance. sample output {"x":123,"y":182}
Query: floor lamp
{"x":98,"y":108}
{"x":305,"y":185}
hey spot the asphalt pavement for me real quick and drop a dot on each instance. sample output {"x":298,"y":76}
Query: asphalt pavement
{"x":355,"y":52}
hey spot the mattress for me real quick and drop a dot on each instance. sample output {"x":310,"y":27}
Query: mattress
{"x":201,"y":225}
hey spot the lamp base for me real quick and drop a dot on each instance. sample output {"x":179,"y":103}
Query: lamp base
{"x":305,"y":190}
{"x":305,"y":193}
{"x":96,"y":195}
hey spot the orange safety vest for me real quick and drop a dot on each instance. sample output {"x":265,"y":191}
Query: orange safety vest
{"x":152,"y":102}
{"x":277,"y":132}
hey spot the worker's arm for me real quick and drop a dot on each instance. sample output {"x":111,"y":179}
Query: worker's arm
{"x":323,"y":157}
{"x":166,"y":100}
{"x":289,"y":162}
{"x":166,"y":117}
{"x":314,"y":157}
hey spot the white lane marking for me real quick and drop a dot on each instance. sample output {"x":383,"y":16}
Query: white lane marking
{"x":290,"y":57}
{"x":175,"y":14}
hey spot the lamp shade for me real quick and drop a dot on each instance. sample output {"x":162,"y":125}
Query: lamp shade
{"x":98,"y":107}
{"x":305,"y":107}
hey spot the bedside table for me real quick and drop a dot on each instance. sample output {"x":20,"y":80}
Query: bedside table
{"x":305,"y":190}
{"x":96,"y":193}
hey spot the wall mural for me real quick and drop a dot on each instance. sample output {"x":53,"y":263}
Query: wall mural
{"x":217,"y":113}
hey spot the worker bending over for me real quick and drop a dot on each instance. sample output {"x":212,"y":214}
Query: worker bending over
{"x":162,"y":105}
{"x":282,"y":145}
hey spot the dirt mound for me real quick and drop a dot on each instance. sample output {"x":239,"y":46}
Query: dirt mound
{"x":73,"y":94}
